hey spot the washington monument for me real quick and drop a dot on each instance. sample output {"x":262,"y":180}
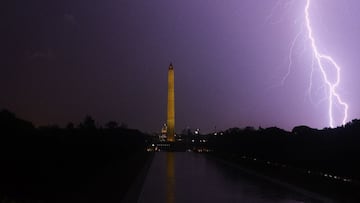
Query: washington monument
{"x":171,"y":106}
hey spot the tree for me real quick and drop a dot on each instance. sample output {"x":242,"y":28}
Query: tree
{"x":70,"y":126}
{"x":88,"y":123}
{"x":112,"y":125}
{"x":123,"y":125}
{"x":9,"y":121}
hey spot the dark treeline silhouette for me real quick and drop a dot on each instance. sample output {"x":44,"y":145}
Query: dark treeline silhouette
{"x":335,"y":151}
{"x":80,"y":163}
{"x":325,"y":161}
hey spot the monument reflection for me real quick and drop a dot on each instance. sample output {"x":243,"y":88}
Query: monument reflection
{"x":170,"y":177}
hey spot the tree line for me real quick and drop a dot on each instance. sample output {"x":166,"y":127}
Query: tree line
{"x":333,"y":150}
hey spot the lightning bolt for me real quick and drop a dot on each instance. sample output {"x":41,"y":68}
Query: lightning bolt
{"x":321,"y":59}
{"x":290,"y":57}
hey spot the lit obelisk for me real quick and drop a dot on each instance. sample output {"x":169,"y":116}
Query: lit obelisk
{"x":171,"y":106}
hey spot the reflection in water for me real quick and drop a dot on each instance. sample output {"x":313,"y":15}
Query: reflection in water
{"x":170,"y":178}
{"x":190,"y":177}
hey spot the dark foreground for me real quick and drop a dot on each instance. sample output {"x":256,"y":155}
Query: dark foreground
{"x":325,"y":185}
{"x":71,"y":169}
{"x":191,"y":177}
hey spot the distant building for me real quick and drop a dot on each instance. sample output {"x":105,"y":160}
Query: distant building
{"x":163,"y":134}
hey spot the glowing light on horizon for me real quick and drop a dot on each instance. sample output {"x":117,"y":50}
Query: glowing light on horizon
{"x":321,"y":59}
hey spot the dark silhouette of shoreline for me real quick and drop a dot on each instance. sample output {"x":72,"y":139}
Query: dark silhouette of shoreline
{"x":90,"y":164}
{"x":332,"y":151}
{"x":323,"y":161}
{"x":73,"y":164}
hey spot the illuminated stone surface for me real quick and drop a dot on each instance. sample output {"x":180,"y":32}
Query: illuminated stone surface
{"x":171,"y":106}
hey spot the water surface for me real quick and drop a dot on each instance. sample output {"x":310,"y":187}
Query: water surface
{"x":191,"y":177}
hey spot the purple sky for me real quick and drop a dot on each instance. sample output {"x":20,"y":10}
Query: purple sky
{"x":62,"y":60}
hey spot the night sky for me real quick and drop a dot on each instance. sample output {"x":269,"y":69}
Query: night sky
{"x":62,"y":60}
